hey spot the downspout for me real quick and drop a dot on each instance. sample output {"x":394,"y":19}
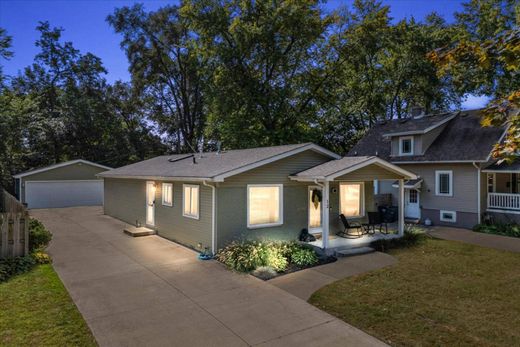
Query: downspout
{"x":213,"y":220}
{"x":478,"y":190}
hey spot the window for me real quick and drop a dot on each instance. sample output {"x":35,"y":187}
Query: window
{"x":412,"y":198}
{"x":491,"y":179}
{"x":351,"y":200}
{"x":444,"y":183}
{"x":190,"y":200}
{"x":167,"y":194}
{"x":448,"y":216}
{"x":264,"y":205}
{"x":406,"y":145}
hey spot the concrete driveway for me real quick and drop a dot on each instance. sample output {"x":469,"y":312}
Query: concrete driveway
{"x":153,"y":292}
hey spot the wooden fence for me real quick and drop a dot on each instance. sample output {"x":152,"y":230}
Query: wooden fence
{"x":14,"y":227}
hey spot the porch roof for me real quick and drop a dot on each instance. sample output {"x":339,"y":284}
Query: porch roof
{"x":332,"y":169}
{"x":504,"y":167}
{"x":409,"y":184}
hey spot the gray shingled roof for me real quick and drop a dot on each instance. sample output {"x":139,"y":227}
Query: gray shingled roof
{"x":463,"y":139}
{"x":206,"y":166}
{"x":408,"y":126}
{"x":504,"y":166}
{"x":331,"y":167}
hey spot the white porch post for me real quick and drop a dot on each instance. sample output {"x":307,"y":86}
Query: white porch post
{"x":326,"y":212}
{"x":401,"y":207}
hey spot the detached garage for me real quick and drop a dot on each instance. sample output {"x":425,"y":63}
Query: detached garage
{"x":72,"y":183}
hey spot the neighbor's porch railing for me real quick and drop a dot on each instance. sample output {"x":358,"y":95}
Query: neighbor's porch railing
{"x":504,"y":201}
{"x":14,"y":226}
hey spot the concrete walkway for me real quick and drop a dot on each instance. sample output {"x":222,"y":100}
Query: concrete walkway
{"x":303,"y":283}
{"x":503,"y":243}
{"x":149,"y":291}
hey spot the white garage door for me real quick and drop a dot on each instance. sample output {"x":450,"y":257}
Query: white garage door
{"x":50,"y":194}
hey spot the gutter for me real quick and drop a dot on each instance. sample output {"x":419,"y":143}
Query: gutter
{"x":213,"y":220}
{"x":478,"y":191}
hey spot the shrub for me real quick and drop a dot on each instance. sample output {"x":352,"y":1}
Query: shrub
{"x":41,"y":257}
{"x":242,"y":256}
{"x":504,"y":229}
{"x":304,"y":257}
{"x":39,"y":237}
{"x":274,"y":257}
{"x":10,"y":267}
{"x":264,"y":272}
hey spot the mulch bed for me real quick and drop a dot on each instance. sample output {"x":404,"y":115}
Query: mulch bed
{"x":294,"y":268}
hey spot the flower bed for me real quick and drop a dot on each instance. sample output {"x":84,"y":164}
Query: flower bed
{"x":504,"y":229}
{"x":269,"y":259}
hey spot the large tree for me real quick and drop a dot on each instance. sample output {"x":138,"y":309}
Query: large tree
{"x":166,"y":71}
{"x":484,"y":59}
{"x":379,"y":70}
{"x":261,"y":61}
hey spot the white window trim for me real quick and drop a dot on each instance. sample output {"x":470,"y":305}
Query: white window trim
{"x":453,"y":213}
{"x":170,"y":204}
{"x":412,"y":145}
{"x":362,"y":209}
{"x":192,"y":216}
{"x":437,"y":185}
{"x":280,"y":207}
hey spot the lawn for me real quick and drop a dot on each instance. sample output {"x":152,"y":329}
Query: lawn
{"x":36,"y":310}
{"x":439,"y":293}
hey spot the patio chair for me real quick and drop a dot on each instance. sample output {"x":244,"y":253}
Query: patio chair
{"x":375,"y":219}
{"x":348,"y":226}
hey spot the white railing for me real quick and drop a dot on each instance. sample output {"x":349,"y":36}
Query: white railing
{"x":504,"y":201}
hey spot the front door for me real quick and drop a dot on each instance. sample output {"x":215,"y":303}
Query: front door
{"x":315,"y":212}
{"x":150,"y":203}
{"x":411,"y":204}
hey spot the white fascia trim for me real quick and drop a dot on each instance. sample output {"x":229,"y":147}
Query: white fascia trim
{"x":61,"y":181}
{"x":419,"y":132}
{"x":439,"y":162}
{"x":67,"y":163}
{"x":499,"y":141}
{"x":378,"y":161}
{"x":316,"y":148}
{"x":501,"y":171}
{"x":157,"y":178}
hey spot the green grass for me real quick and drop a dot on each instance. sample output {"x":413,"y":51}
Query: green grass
{"x":439,"y":293}
{"x":36,"y":310}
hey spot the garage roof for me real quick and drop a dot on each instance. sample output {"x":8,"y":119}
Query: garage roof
{"x":55,"y":166}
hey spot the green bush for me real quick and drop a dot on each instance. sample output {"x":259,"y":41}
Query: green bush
{"x":504,"y":229}
{"x":304,"y":257}
{"x":10,"y":267}
{"x":245,"y":256}
{"x":39,"y":237}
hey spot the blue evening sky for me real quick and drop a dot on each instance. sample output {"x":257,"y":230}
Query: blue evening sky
{"x":85,"y":25}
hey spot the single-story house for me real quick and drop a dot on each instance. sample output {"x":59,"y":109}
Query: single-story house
{"x":71,"y":183}
{"x":459,"y":183}
{"x":206,"y":200}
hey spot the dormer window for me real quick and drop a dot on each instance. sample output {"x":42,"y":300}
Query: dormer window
{"x":406,"y":145}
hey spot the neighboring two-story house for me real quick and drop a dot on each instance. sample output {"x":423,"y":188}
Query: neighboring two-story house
{"x":458,"y":181}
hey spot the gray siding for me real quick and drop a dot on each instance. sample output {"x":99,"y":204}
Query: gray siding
{"x":232,"y":199}
{"x":125,"y":199}
{"x":465,"y":193}
{"x":171,"y":224}
{"x":369,"y":173}
{"x":74,"y":172}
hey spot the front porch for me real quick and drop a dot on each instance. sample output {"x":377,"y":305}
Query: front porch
{"x":502,"y":192}
{"x":346,"y":187}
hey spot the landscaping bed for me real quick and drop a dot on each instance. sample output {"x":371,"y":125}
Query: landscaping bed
{"x":440,"y":293}
{"x":503,"y":229}
{"x":270,"y":259}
